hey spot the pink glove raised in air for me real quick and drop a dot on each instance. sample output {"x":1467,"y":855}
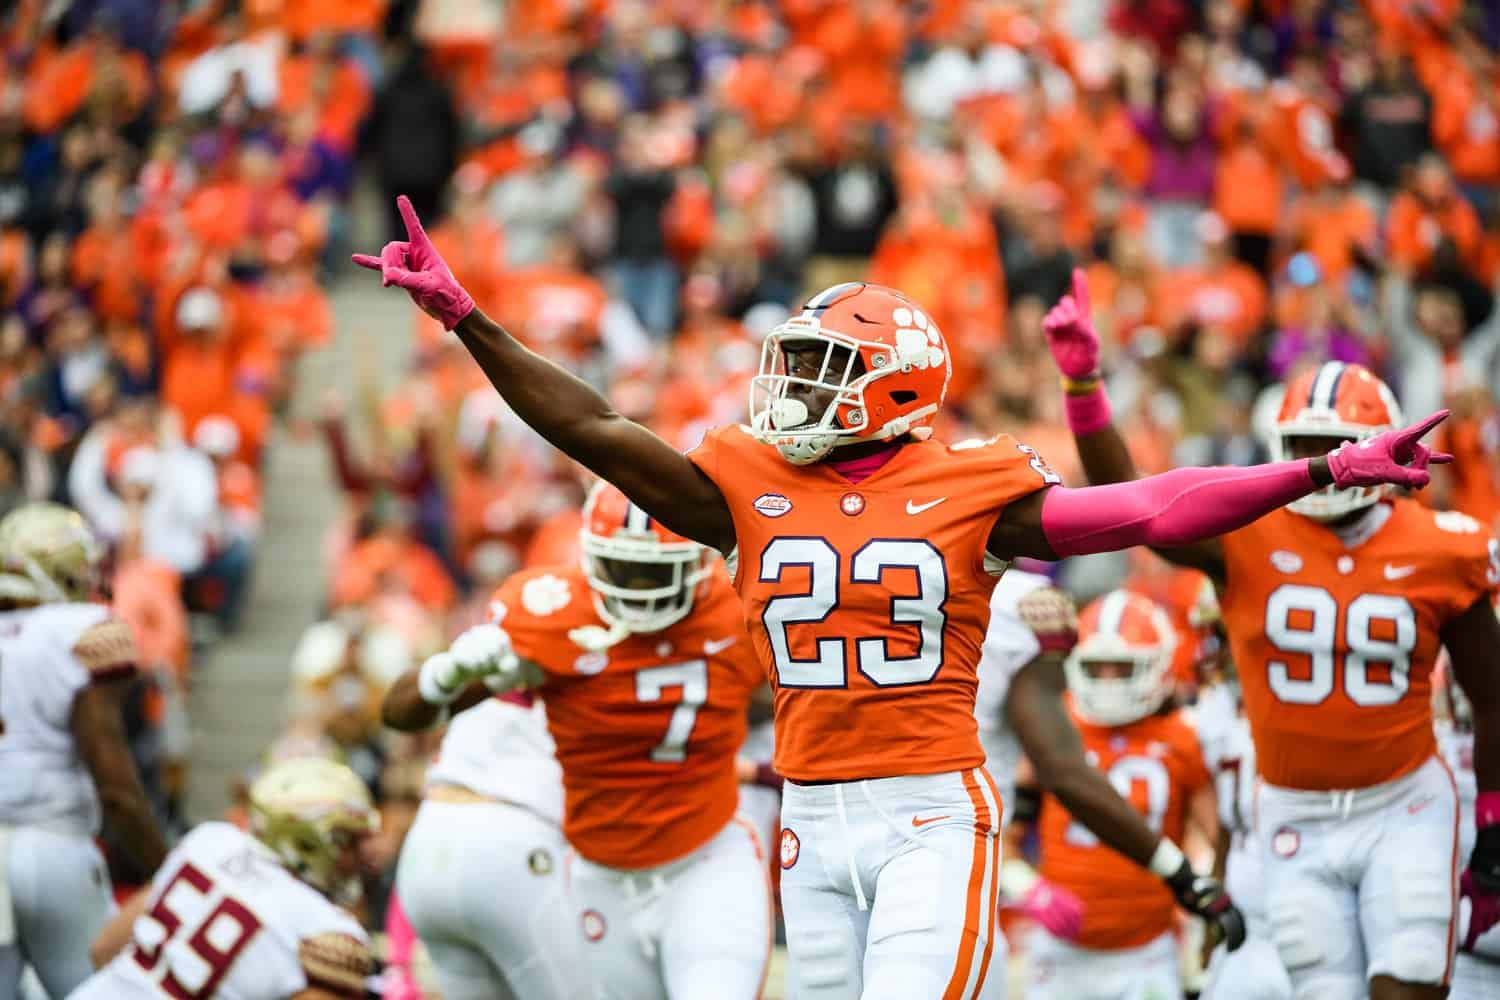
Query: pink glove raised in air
{"x":416,"y":266}
{"x":1396,"y":457}
{"x":1055,"y":908}
{"x":1070,"y":332}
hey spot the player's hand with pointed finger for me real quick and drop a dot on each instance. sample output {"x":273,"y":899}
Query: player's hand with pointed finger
{"x":1395,"y":456}
{"x":415,"y":265}
{"x":1071,"y":336}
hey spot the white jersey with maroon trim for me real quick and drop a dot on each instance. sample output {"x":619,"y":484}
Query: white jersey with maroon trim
{"x":503,"y":751}
{"x":47,"y":655}
{"x":1008,"y":646}
{"x":226,"y":921}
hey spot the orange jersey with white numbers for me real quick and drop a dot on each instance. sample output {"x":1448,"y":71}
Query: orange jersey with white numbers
{"x":868,"y":602}
{"x":647,"y":730}
{"x":1156,"y":765}
{"x":1334,"y":645}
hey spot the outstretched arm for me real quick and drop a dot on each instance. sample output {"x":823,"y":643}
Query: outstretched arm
{"x":1188,"y":505}
{"x":480,"y":663}
{"x":564,"y":409}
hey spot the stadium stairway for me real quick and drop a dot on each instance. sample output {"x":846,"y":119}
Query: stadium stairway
{"x":238,"y":700}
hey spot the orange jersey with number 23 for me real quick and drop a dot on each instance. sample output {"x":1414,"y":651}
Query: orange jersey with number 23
{"x":1334,"y":645}
{"x":646,"y":731}
{"x":869,"y":602}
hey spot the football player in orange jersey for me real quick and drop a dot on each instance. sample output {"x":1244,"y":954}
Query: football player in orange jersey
{"x":1120,"y":686}
{"x":1335,"y":608}
{"x":865,"y":552}
{"x":641,"y":659}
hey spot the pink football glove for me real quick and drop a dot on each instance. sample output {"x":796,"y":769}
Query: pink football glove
{"x":1389,"y":457}
{"x":1070,"y":332}
{"x":1055,"y":908}
{"x":1484,"y":910}
{"x":416,"y":266}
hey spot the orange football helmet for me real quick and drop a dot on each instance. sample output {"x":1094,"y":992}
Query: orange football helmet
{"x":884,"y":361}
{"x":1128,"y":629}
{"x":1335,"y":400}
{"x":644,"y":577}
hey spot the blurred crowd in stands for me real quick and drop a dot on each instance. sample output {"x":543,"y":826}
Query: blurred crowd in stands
{"x":641,"y":190}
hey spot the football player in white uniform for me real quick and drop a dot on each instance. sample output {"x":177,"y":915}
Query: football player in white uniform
{"x":63,"y":755}
{"x":1021,"y":710}
{"x":252,"y":916}
{"x":1476,"y":974}
{"x":481,"y":872}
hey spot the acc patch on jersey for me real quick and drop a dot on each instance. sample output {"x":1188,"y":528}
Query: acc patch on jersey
{"x":593,"y":925}
{"x":772,"y":504}
{"x":107,"y":648}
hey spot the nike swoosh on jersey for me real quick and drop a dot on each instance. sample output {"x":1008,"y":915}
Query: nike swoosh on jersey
{"x":918,"y":821}
{"x":1398,"y":572}
{"x":712,"y":646}
{"x":917,"y":508}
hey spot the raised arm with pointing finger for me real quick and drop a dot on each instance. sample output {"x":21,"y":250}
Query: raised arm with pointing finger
{"x":1172,"y":509}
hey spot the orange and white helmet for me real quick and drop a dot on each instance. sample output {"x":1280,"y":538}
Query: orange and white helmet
{"x":884,"y":360}
{"x":1334,"y":400}
{"x":1121,"y":628}
{"x":644,"y":577}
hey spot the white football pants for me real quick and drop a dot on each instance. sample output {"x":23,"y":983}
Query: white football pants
{"x":54,"y":900}
{"x":698,"y":928}
{"x":484,"y":887}
{"x":889,"y":887}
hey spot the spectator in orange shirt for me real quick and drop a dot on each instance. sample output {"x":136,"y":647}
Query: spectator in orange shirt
{"x":1248,"y":190}
{"x":389,"y":561}
{"x":316,"y":77}
{"x":1429,"y":217}
{"x":1466,"y":120}
{"x":1337,"y":227}
{"x":1224,"y":293}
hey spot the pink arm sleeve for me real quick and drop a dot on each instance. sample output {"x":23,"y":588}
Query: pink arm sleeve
{"x":1174,"y":508}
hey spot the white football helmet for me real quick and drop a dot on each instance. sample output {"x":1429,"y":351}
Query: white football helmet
{"x":310,"y":811}
{"x":1128,"y":629}
{"x":1334,"y":400}
{"x":48,"y":555}
{"x":623,"y":547}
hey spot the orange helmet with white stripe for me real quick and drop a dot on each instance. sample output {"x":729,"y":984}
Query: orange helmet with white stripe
{"x":644,"y":577}
{"x":872,"y":364}
{"x":1331,"y":403}
{"x":1121,"y":669}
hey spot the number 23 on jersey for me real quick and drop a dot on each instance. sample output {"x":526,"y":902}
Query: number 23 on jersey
{"x":921,"y":613}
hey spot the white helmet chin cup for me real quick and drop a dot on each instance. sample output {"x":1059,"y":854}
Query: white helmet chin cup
{"x":807,"y":450}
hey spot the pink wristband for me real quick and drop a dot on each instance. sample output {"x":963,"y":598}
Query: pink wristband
{"x":1487,"y":809}
{"x":1087,"y":413}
